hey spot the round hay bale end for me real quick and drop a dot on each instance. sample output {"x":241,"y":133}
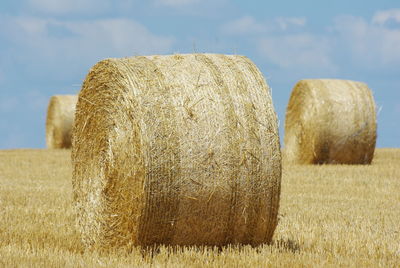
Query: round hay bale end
{"x":330,"y":121}
{"x":59,"y":122}
{"x":176,"y":150}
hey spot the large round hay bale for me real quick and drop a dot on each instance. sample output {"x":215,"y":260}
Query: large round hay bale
{"x":176,"y":150}
{"x":59,"y":122}
{"x":330,"y":121}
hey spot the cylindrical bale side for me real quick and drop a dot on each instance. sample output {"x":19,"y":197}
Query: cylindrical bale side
{"x":176,"y":150}
{"x":59,"y":122}
{"x":330,"y":121}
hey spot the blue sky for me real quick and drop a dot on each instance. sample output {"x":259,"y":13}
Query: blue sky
{"x":48,"y":46}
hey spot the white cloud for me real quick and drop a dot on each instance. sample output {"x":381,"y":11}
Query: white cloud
{"x":123,"y":36}
{"x":381,"y":17}
{"x":51,"y":38}
{"x":176,"y":3}
{"x":69,"y":6}
{"x":352,"y":41}
{"x":287,"y":22}
{"x":243,"y":25}
{"x":210,"y":9}
{"x":297,"y":51}
{"x":248,"y":25}
{"x":31,"y":26}
{"x":59,"y":50}
{"x":369,"y":43}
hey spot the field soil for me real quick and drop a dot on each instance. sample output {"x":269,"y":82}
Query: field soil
{"x":330,"y":216}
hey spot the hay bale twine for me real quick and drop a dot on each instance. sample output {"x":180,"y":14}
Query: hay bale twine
{"x":330,"y":121}
{"x":59,"y":122}
{"x":176,"y":150}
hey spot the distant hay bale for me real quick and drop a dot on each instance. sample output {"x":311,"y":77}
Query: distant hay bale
{"x":176,"y":150}
{"x":60,"y":118}
{"x":330,"y":121}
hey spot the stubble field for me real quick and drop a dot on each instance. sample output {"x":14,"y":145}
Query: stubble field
{"x":330,"y":216}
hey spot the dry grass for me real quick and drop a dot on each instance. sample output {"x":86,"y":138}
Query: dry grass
{"x":330,"y":216}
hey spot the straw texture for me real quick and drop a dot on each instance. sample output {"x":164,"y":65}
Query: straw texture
{"x":330,"y":121}
{"x":59,"y":122}
{"x":176,"y":150}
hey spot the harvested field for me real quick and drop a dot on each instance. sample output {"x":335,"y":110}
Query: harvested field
{"x":336,"y":216}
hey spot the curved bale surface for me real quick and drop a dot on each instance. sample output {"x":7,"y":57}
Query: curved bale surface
{"x":330,"y":121}
{"x":59,"y":122}
{"x":176,"y":150}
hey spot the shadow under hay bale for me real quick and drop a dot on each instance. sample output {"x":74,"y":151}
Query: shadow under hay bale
{"x":288,"y":245}
{"x":59,"y":122}
{"x":330,"y":121}
{"x":176,"y":150}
